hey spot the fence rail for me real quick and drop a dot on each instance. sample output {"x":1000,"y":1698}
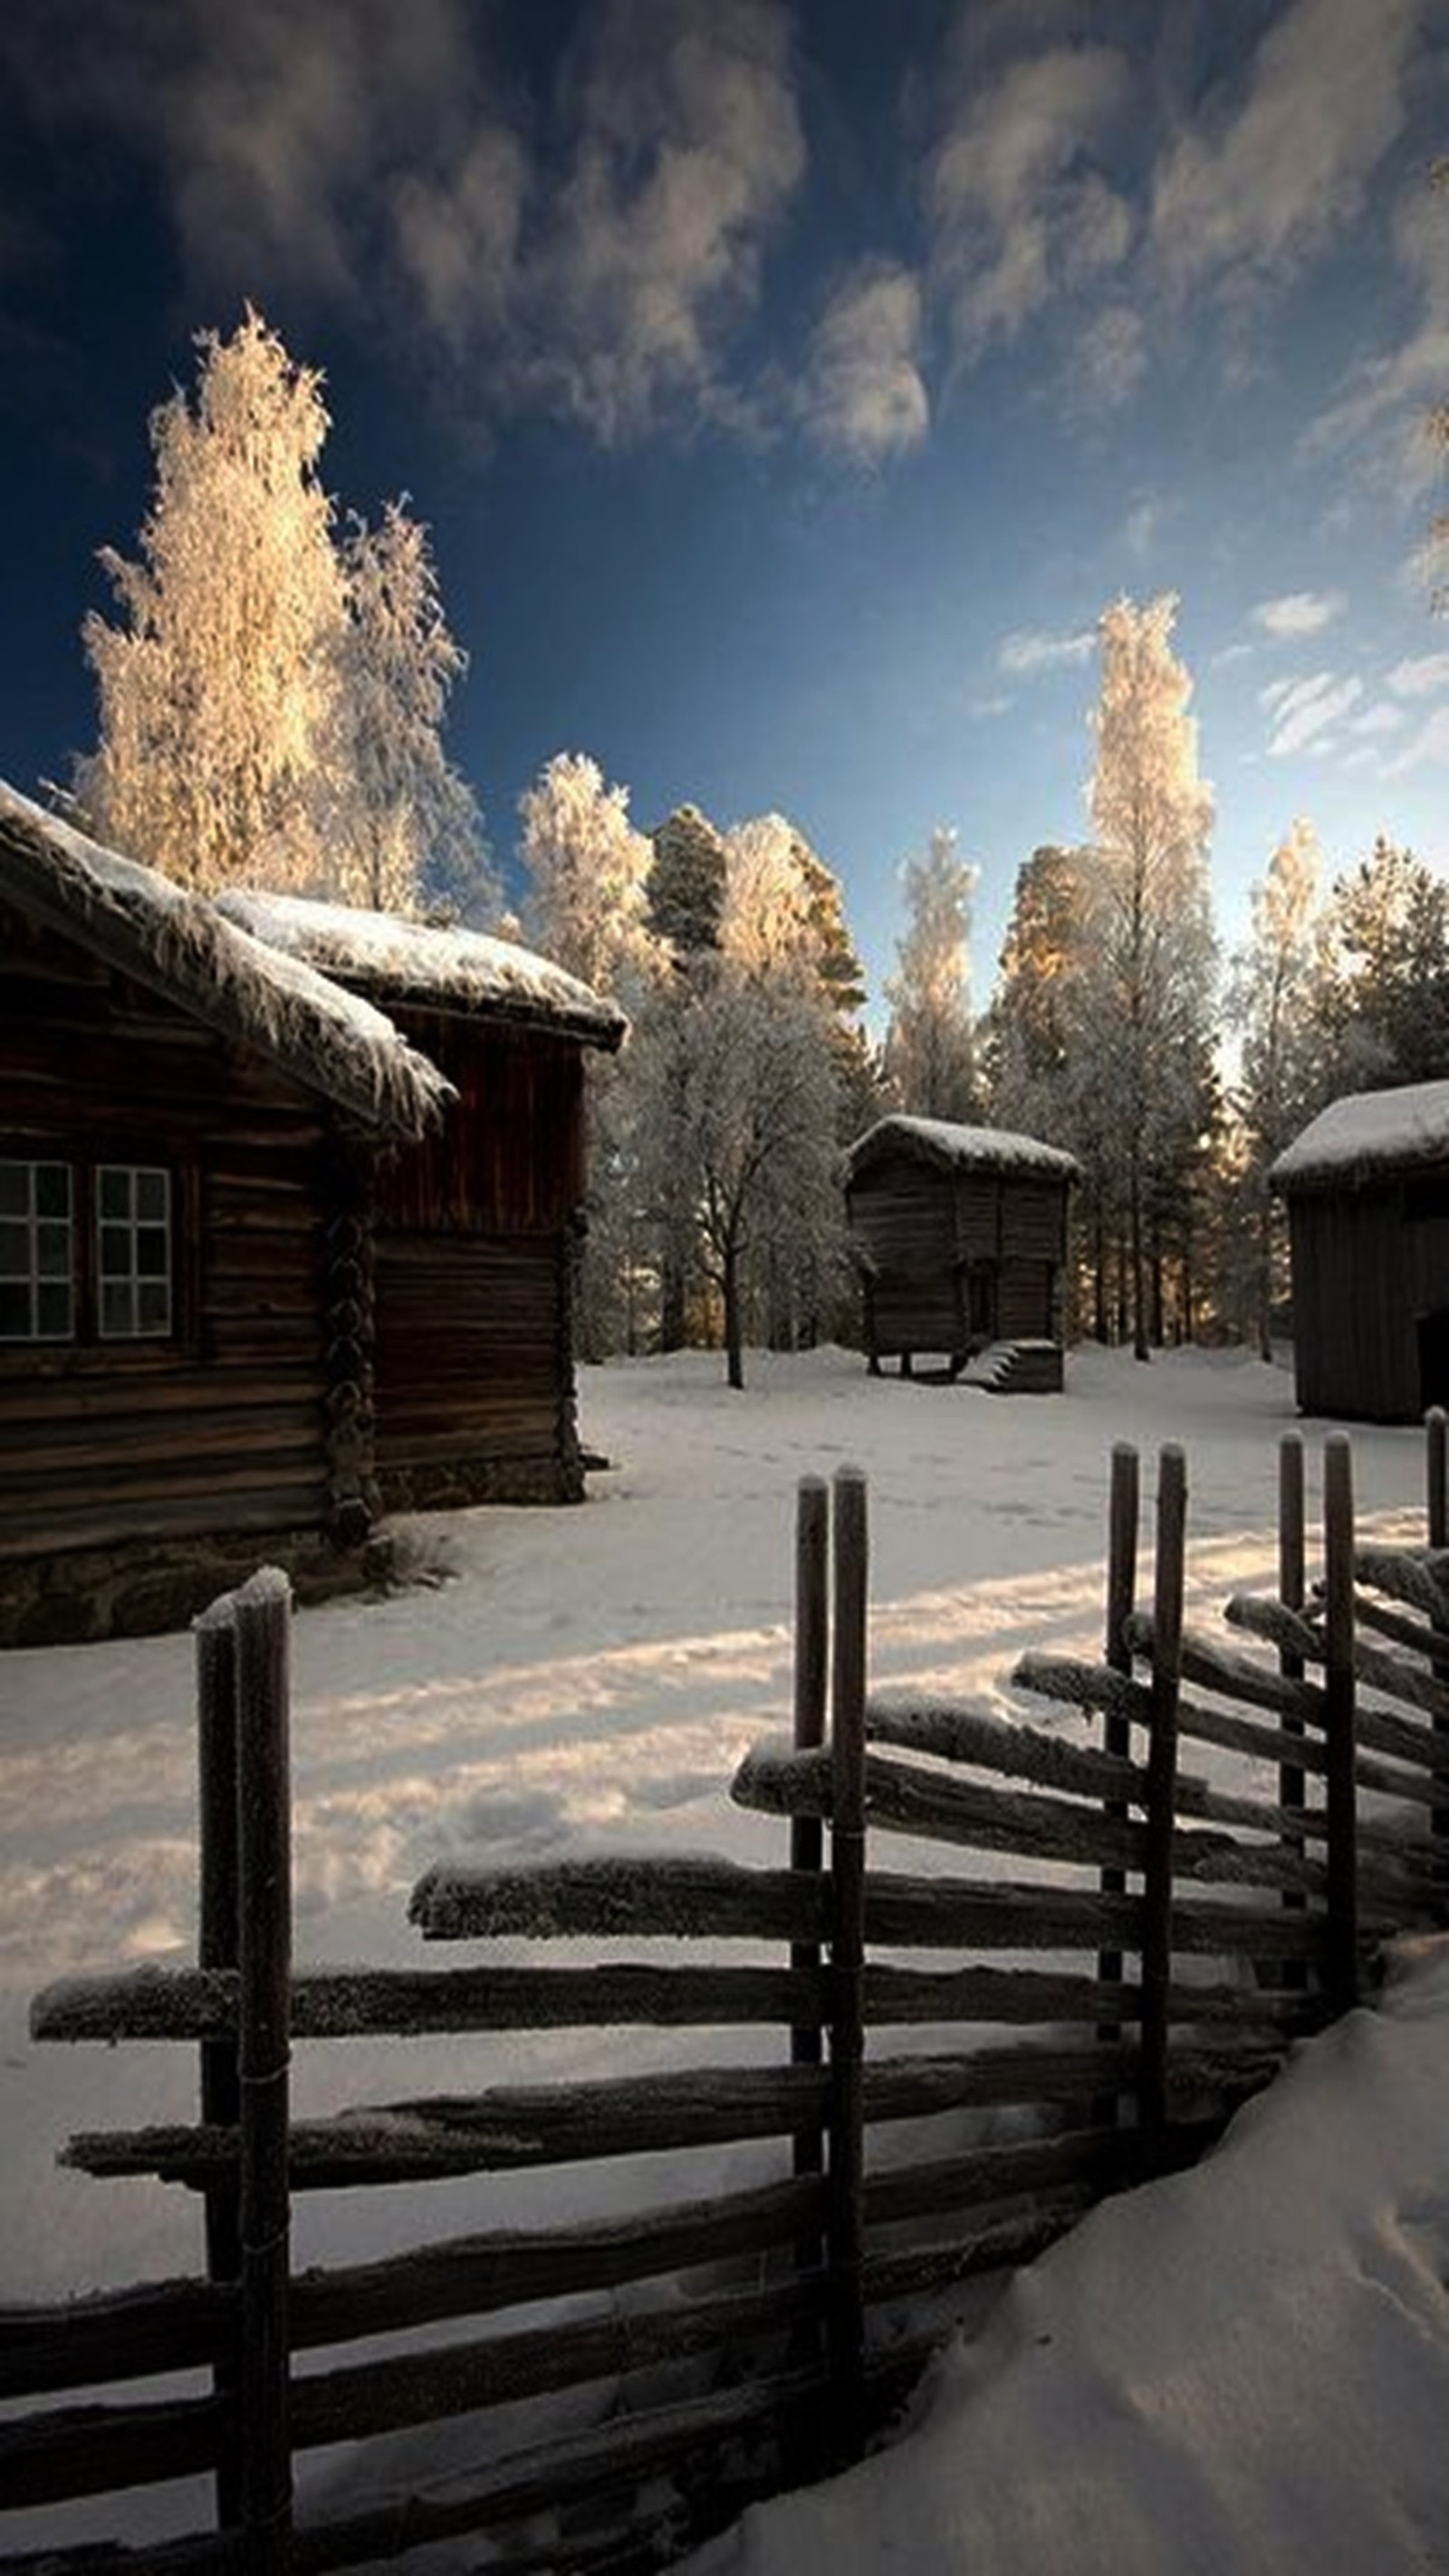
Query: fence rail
{"x":1249,"y":1895}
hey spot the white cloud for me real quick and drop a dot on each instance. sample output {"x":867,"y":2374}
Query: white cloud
{"x":1380,"y":718}
{"x":1420,"y":678}
{"x":864,"y":396}
{"x":1298,"y":612}
{"x":590,"y":252}
{"x":1389,"y":395}
{"x":981,"y":710}
{"x":1304,"y":713}
{"x":1230,"y":653}
{"x":1431,"y":742}
{"x":1260,"y":183}
{"x":1108,"y":361}
{"x":1016,"y":218}
{"x":1027,"y":654}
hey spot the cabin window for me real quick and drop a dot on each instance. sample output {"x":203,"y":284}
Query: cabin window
{"x":37,"y":1252}
{"x":133,"y":1252}
{"x":87,"y":1252}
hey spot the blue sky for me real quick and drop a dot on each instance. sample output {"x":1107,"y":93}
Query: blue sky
{"x":788,"y":388}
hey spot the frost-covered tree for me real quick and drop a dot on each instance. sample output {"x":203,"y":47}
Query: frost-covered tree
{"x":1146,"y":991}
{"x":406,"y":823}
{"x":588,"y":872}
{"x":1281,"y":1083}
{"x":1029,"y":1026}
{"x":930,"y":1048}
{"x":271,"y":701}
{"x":687,"y":882}
{"x":219,"y":686}
{"x":736,"y":1107}
{"x":1385,"y":996}
{"x":586,"y":907}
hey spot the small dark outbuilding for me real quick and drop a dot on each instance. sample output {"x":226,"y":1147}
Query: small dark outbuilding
{"x":960,"y":1236}
{"x":249,"y":1223}
{"x":1367,"y":1190}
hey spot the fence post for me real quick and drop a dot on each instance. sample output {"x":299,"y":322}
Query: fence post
{"x":1340,"y":1714}
{"x":812,"y":1636}
{"x":846,"y":2253}
{"x":1122,"y":1521}
{"x":216,"y":1947}
{"x":1292,"y":1592}
{"x":261,"y":1612}
{"x":1162,"y":1791}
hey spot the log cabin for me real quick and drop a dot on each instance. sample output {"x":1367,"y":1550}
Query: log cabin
{"x":272,"y":1262}
{"x":960,"y":1236}
{"x":1367,"y":1193}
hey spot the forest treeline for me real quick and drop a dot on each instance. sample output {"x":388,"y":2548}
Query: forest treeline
{"x":272,"y":698}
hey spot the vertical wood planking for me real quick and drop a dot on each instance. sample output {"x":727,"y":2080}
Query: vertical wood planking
{"x":261,"y":1613}
{"x":846,"y":2197}
{"x":1162,"y":1789}
{"x":216,"y":1947}
{"x":1341,"y":1722}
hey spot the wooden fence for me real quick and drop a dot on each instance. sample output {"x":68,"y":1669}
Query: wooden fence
{"x":1250,"y":1895}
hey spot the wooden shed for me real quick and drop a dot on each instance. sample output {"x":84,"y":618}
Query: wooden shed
{"x":960,"y":1237}
{"x":216,"y":1164}
{"x":1367,"y":1191}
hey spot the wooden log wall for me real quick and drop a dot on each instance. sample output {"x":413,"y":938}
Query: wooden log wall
{"x":1128,"y":1941}
{"x":99,"y":1069}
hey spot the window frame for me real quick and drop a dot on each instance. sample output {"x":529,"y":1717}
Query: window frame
{"x":87,"y":1349}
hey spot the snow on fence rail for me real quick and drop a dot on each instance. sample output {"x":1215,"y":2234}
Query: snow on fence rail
{"x":1251,"y":1893}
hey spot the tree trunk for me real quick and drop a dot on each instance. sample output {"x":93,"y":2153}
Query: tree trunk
{"x":1140,"y":1349}
{"x":734,"y":1350}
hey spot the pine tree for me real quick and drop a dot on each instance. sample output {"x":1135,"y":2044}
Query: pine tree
{"x":687,"y":882}
{"x":1387,"y":978}
{"x":930,"y":1048}
{"x":1146,"y":987}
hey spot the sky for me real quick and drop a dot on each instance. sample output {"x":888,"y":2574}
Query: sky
{"x":788,"y":388}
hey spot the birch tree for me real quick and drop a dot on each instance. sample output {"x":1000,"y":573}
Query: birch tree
{"x":405,"y":823}
{"x":586,"y":907}
{"x":219,"y":686}
{"x":273,"y":695}
{"x":1274,"y":1005}
{"x":930,"y":1048}
{"x":1148,"y":956}
{"x":588,"y":872}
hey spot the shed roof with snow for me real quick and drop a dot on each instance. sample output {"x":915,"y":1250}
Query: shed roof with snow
{"x":1368,"y":1137}
{"x":963,"y":1149}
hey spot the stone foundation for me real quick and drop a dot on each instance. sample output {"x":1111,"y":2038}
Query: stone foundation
{"x":439,"y":1485}
{"x":146,"y":1587}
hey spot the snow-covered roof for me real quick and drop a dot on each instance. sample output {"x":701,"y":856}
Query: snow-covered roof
{"x":411,"y":961}
{"x":178,"y":944}
{"x":951,"y":1148}
{"x":1369,"y":1136}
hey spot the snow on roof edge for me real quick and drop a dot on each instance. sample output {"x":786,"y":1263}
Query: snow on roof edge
{"x":420,"y":962}
{"x":1368,"y":1136}
{"x":328,"y":1039}
{"x":937,"y":1140}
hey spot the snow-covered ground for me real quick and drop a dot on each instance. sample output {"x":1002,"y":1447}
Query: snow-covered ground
{"x":1244,"y":2369}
